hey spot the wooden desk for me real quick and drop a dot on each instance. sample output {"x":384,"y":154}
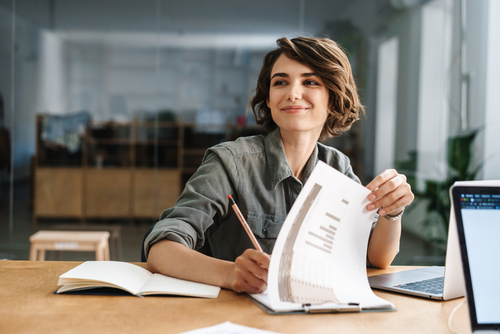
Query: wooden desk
{"x":28,"y":305}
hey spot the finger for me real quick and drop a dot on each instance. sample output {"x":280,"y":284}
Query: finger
{"x":381,"y":179}
{"x":255,"y":268}
{"x":255,"y":282}
{"x":395,"y":204}
{"x":248,"y":269}
{"x":260,"y":257}
{"x":394,"y":208}
{"x":391,"y":198}
{"x":245,"y":281}
{"x":243,"y":286}
{"x":388,"y":187}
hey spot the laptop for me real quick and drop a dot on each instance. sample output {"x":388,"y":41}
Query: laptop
{"x":436,"y":282}
{"x":477,"y":211}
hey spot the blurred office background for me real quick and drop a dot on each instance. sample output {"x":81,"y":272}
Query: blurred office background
{"x":107,"y":106}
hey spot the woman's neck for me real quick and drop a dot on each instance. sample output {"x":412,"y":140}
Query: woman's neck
{"x":298,"y":149}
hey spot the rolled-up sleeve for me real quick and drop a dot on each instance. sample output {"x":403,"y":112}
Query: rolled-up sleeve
{"x":204,"y":196}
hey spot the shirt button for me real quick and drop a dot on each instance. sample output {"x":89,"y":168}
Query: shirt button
{"x":264,"y":230}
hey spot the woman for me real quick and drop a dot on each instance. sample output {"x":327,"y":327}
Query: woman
{"x":305,"y":91}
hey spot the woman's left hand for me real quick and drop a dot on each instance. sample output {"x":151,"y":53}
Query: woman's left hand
{"x":390,"y":192}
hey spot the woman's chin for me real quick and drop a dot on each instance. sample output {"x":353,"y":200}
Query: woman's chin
{"x":301,"y":129}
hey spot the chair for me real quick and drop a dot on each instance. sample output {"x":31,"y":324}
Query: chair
{"x":115,"y":235}
{"x":69,"y":241}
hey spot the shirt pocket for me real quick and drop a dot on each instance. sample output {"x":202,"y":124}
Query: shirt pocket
{"x":265,"y":226}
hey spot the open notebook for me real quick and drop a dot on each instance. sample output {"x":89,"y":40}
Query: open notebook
{"x":110,"y":277}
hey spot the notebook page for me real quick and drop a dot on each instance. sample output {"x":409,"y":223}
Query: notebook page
{"x":128,"y":276}
{"x":161,"y":284}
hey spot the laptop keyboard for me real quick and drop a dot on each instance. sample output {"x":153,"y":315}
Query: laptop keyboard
{"x":432,"y":286}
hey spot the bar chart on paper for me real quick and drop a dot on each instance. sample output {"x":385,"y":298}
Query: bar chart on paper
{"x":311,"y":244}
{"x":326,"y":236}
{"x":322,"y":236}
{"x":320,"y":254}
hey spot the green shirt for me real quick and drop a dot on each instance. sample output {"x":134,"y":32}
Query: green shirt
{"x":255,"y":171}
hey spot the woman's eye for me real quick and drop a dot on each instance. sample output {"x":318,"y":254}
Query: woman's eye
{"x":311,"y":82}
{"x":278,"y":83}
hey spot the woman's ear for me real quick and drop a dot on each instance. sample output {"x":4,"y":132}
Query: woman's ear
{"x":267,"y":103}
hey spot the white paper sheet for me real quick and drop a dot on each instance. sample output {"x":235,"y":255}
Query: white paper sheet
{"x":228,"y":328}
{"x":320,"y":253}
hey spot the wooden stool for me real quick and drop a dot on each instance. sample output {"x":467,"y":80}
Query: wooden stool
{"x":69,"y":241}
{"x":115,"y":235}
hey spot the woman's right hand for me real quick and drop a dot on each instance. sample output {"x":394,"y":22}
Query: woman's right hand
{"x":250,"y":272}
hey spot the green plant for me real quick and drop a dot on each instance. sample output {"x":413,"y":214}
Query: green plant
{"x":436,"y":193}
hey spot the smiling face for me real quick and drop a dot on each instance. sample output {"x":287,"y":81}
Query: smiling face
{"x":298,"y":99}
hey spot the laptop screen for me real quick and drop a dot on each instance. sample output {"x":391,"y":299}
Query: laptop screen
{"x":477,"y":211}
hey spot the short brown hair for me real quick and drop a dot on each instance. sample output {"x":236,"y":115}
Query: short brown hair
{"x":327,"y":59}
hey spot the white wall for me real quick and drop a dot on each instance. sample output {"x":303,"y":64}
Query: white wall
{"x":433,"y":103}
{"x":385,"y":130}
{"x":482,"y":40}
{"x":492,"y":108}
{"x":120,"y":82}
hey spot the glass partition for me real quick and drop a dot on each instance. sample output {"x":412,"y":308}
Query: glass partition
{"x":107,"y":107}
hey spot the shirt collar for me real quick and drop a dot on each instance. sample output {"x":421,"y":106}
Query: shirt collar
{"x":310,"y":164}
{"x":278,"y":162}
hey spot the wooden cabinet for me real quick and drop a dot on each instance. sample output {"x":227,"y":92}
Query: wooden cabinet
{"x":165,"y":185}
{"x":108,"y":192}
{"x":58,"y":192}
{"x":130,"y":170}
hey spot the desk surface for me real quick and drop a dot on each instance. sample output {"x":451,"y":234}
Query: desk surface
{"x":28,"y":305}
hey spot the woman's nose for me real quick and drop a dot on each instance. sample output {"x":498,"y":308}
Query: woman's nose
{"x":294,"y":93}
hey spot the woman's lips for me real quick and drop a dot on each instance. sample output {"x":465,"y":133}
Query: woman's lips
{"x":294,"y":109}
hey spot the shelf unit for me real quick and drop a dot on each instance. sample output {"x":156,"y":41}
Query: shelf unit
{"x":128,"y":170}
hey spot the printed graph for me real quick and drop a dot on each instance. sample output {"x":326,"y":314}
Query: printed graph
{"x":287,"y":254}
{"x":323,"y":238}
